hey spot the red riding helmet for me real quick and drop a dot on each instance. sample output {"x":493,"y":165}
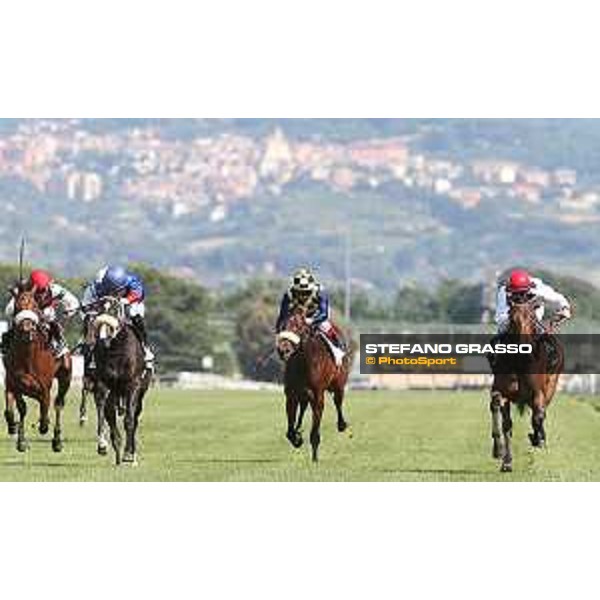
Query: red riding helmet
{"x":40,"y":280}
{"x":519,"y":282}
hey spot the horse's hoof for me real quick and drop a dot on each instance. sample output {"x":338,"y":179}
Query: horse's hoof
{"x":44,"y":428}
{"x":506,"y":468}
{"x":536,"y":442}
{"x":497,"y":451}
{"x":82,"y":421}
{"x":12,"y":431}
{"x":130,"y":460}
{"x":57,"y":445}
{"x":22,"y":446}
{"x":295,"y":440}
{"x":102,"y":450}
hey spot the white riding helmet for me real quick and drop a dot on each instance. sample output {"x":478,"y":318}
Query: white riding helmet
{"x":304,"y":284}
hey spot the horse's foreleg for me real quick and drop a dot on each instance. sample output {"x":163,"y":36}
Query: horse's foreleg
{"x":100,"y":400}
{"x":317,"y":403}
{"x":291,"y":407}
{"x":338,"y":399}
{"x":83,"y":406}
{"x":507,"y":427}
{"x":110,"y":412}
{"x":44,"y":424}
{"x":64,"y":383}
{"x":9,"y":411}
{"x":304,"y":400}
{"x":57,"y":441}
{"x":131,"y":421}
{"x":538,"y":438}
{"x":551,"y":385}
{"x":22,"y":445}
{"x":497,"y":439}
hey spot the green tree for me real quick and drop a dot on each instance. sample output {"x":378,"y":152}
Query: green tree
{"x":178,"y":322}
{"x":255,"y":307}
{"x":415,"y":304}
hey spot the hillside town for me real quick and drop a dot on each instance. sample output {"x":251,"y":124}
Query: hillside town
{"x":63,"y":158}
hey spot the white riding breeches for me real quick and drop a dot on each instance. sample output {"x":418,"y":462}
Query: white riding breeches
{"x":137,"y":309}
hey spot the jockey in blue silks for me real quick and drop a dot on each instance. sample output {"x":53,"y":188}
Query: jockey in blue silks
{"x":307,"y":293}
{"x":117,"y":282}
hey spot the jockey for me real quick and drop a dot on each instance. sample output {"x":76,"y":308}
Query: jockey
{"x":520,"y":284}
{"x":56,"y":303}
{"x":129,"y":288}
{"x":306,"y":292}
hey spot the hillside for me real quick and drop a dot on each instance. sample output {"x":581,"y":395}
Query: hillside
{"x":225,"y":200}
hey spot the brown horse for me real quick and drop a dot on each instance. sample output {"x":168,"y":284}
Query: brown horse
{"x":30,"y":370}
{"x":529,"y":380}
{"x":310,"y":371}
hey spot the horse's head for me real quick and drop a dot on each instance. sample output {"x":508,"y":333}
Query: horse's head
{"x":26,"y":313}
{"x":290,"y":339}
{"x":107,"y":322}
{"x":522,"y":317}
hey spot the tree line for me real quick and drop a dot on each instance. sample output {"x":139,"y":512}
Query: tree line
{"x":188,"y":322}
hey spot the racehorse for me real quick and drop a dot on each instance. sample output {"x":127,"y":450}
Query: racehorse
{"x":121,"y":379}
{"x":310,"y":371}
{"x":525,"y":380}
{"x":31,"y":368}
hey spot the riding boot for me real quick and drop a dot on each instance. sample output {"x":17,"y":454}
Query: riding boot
{"x":57,"y":339}
{"x":492,"y":356}
{"x":7,"y":337}
{"x":139,"y":326}
{"x":89,"y":363}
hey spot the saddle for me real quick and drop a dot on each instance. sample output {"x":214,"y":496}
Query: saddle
{"x":336,"y":353}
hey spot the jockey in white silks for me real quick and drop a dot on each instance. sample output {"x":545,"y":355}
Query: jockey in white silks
{"x":520,"y":284}
{"x":57,"y":304}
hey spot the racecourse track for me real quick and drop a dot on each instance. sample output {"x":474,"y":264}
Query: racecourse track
{"x":239,"y":436}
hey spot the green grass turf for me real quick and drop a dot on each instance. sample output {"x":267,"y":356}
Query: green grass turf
{"x":239,"y":436}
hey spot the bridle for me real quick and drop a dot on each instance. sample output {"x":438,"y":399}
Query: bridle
{"x":522,"y":312}
{"x":27,"y":320}
{"x":291,"y":338}
{"x":106,"y":319}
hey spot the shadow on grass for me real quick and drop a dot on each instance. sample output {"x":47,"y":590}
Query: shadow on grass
{"x":41,"y":465}
{"x":218,"y":461}
{"x":447,"y":472}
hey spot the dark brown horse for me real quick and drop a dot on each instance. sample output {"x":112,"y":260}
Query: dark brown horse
{"x":30,"y":370}
{"x":310,"y":372}
{"x":524,"y":380}
{"x":121,"y":379}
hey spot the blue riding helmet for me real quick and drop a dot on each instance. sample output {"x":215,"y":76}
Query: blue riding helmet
{"x":115,"y":279}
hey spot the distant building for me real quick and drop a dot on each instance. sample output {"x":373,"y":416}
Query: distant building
{"x":278,"y":160}
{"x":565,"y":177}
{"x":379,"y":153}
{"x":84,"y":186}
{"x":493,"y":171}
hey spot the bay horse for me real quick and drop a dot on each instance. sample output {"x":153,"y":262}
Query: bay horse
{"x":31,"y":368}
{"x":524,"y":380}
{"x":310,"y":372}
{"x":121,"y":379}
